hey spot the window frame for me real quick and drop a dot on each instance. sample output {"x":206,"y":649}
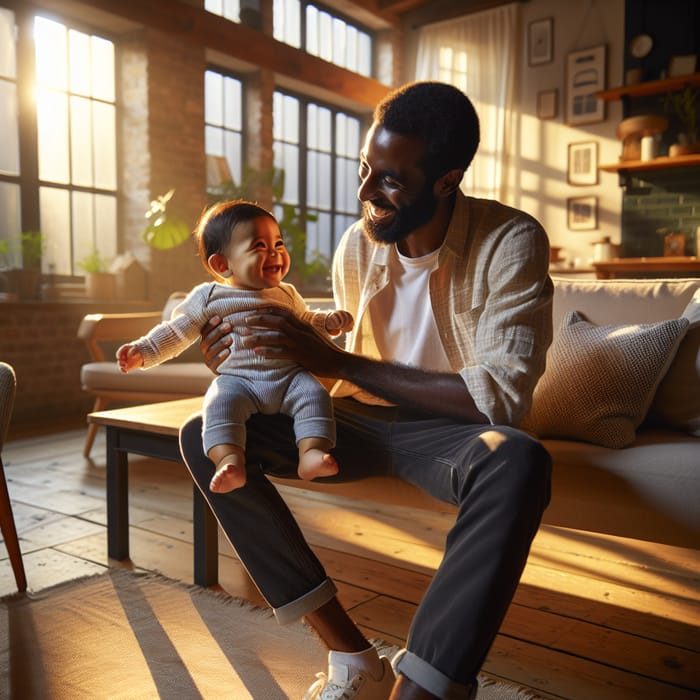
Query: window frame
{"x":228,"y":73}
{"x":28,"y":180}
{"x":303,"y":205}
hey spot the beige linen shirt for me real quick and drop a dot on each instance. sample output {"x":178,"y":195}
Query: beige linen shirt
{"x":491,"y":295}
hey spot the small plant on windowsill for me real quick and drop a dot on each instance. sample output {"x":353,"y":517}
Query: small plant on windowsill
{"x":99,"y":281}
{"x":94,"y":262}
{"x":23,"y":279}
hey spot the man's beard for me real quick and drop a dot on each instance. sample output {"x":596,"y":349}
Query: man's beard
{"x":407,"y":219}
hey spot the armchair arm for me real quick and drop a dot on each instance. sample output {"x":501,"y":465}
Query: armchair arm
{"x":96,"y":328}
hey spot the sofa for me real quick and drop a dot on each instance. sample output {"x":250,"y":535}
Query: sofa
{"x":639,"y":476}
{"x":618,"y":408}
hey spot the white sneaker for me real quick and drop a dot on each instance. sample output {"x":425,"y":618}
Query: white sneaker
{"x":344,"y":682}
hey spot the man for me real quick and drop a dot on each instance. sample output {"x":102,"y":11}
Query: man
{"x":452,"y":306}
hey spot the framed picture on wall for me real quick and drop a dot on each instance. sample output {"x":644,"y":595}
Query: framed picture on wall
{"x":547,"y":104}
{"x":681,"y":65}
{"x":582,"y":213}
{"x":540,"y":48}
{"x":582,"y":163}
{"x":585,"y":75}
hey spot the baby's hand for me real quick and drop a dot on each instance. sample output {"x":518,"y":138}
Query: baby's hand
{"x":129,"y":357}
{"x":339,"y":322}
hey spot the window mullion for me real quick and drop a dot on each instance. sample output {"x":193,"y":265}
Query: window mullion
{"x":28,"y":145}
{"x":303,"y":158}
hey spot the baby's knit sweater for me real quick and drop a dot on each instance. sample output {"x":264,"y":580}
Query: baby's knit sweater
{"x":171,"y":338}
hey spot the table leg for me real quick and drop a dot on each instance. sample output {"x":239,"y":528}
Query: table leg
{"x":205,"y":539}
{"x":117,"y":498}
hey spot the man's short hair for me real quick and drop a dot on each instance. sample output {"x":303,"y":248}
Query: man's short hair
{"x":440,"y":115}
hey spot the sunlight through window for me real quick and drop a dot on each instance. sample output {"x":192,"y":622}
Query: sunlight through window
{"x":76,"y":135}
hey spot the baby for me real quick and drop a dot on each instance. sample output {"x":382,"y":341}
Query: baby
{"x":240,"y":244}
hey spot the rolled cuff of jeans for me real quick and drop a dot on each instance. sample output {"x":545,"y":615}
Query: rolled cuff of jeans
{"x":309,"y":602}
{"x":432,"y":680}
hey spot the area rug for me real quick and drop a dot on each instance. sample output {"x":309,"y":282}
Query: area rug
{"x":128,"y":636}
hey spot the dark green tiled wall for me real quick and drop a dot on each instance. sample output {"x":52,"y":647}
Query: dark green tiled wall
{"x":657,"y":199}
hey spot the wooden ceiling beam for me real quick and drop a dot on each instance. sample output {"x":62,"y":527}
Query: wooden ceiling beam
{"x":203,"y":28}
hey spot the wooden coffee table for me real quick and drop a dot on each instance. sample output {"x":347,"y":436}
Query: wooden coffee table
{"x":152,"y":430}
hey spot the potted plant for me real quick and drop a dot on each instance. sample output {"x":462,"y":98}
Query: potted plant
{"x":26,"y":249}
{"x":683,"y":104}
{"x":99,"y":281}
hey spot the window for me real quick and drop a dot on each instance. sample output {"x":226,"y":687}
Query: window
{"x":328,"y":36}
{"x":305,"y":26}
{"x":73,"y":182}
{"x":318,"y":148}
{"x":223,"y":127}
{"x":77,"y":151}
{"x":10,"y":219}
{"x":230,"y":9}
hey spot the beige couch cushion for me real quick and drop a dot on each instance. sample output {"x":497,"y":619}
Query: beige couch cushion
{"x":176,"y":379}
{"x":600,"y":380}
{"x":677,"y":401}
{"x":646,"y":491}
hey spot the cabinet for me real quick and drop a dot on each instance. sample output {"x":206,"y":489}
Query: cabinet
{"x":651,"y":87}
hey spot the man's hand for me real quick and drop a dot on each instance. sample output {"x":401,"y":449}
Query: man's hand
{"x":215,"y":341}
{"x":277,"y":333}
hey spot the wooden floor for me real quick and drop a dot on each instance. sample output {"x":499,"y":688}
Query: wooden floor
{"x":594,"y":618}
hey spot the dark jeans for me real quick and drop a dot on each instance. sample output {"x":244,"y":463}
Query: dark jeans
{"x":498,"y":476}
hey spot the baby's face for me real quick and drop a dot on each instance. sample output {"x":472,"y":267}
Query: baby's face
{"x":257,"y":255}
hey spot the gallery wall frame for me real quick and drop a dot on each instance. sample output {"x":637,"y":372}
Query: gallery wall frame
{"x":582,"y":213}
{"x":540,"y":41}
{"x":582,"y":163}
{"x":681,"y":65}
{"x":585,"y":76}
{"x":548,"y":104}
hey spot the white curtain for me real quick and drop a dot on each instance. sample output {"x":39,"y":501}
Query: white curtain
{"x":478,"y":54}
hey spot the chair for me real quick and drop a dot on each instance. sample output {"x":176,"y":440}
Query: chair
{"x":8,"y":385}
{"x":101,"y":376}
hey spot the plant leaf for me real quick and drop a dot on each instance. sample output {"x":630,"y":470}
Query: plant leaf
{"x":165,"y":233}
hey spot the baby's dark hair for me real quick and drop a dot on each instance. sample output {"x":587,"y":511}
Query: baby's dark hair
{"x":215,"y":226}
{"x":440,"y":115}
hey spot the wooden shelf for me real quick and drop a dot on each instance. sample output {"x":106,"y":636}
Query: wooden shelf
{"x":650,"y":87}
{"x":636,"y":267}
{"x":662,"y":162}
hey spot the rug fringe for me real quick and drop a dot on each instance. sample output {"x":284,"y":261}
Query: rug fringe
{"x":140,"y":575}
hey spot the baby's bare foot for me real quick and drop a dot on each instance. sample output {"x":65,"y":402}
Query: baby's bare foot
{"x":228,"y":476}
{"x":314,"y":463}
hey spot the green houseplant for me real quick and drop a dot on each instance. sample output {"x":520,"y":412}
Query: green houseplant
{"x":164,"y":230}
{"x":27,"y":248}
{"x":684,"y":105}
{"x":99,"y":281}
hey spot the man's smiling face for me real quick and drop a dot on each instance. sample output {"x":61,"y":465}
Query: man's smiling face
{"x":396,"y":197}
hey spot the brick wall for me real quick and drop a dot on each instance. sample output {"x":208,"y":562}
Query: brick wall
{"x":176,"y":147}
{"x":39,"y":340}
{"x":668,"y":199}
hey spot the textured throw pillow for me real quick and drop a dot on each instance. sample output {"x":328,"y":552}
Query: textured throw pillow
{"x":677,"y":400}
{"x":600,"y":380}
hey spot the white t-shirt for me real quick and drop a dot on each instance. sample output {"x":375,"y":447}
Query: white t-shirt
{"x":403,"y":323}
